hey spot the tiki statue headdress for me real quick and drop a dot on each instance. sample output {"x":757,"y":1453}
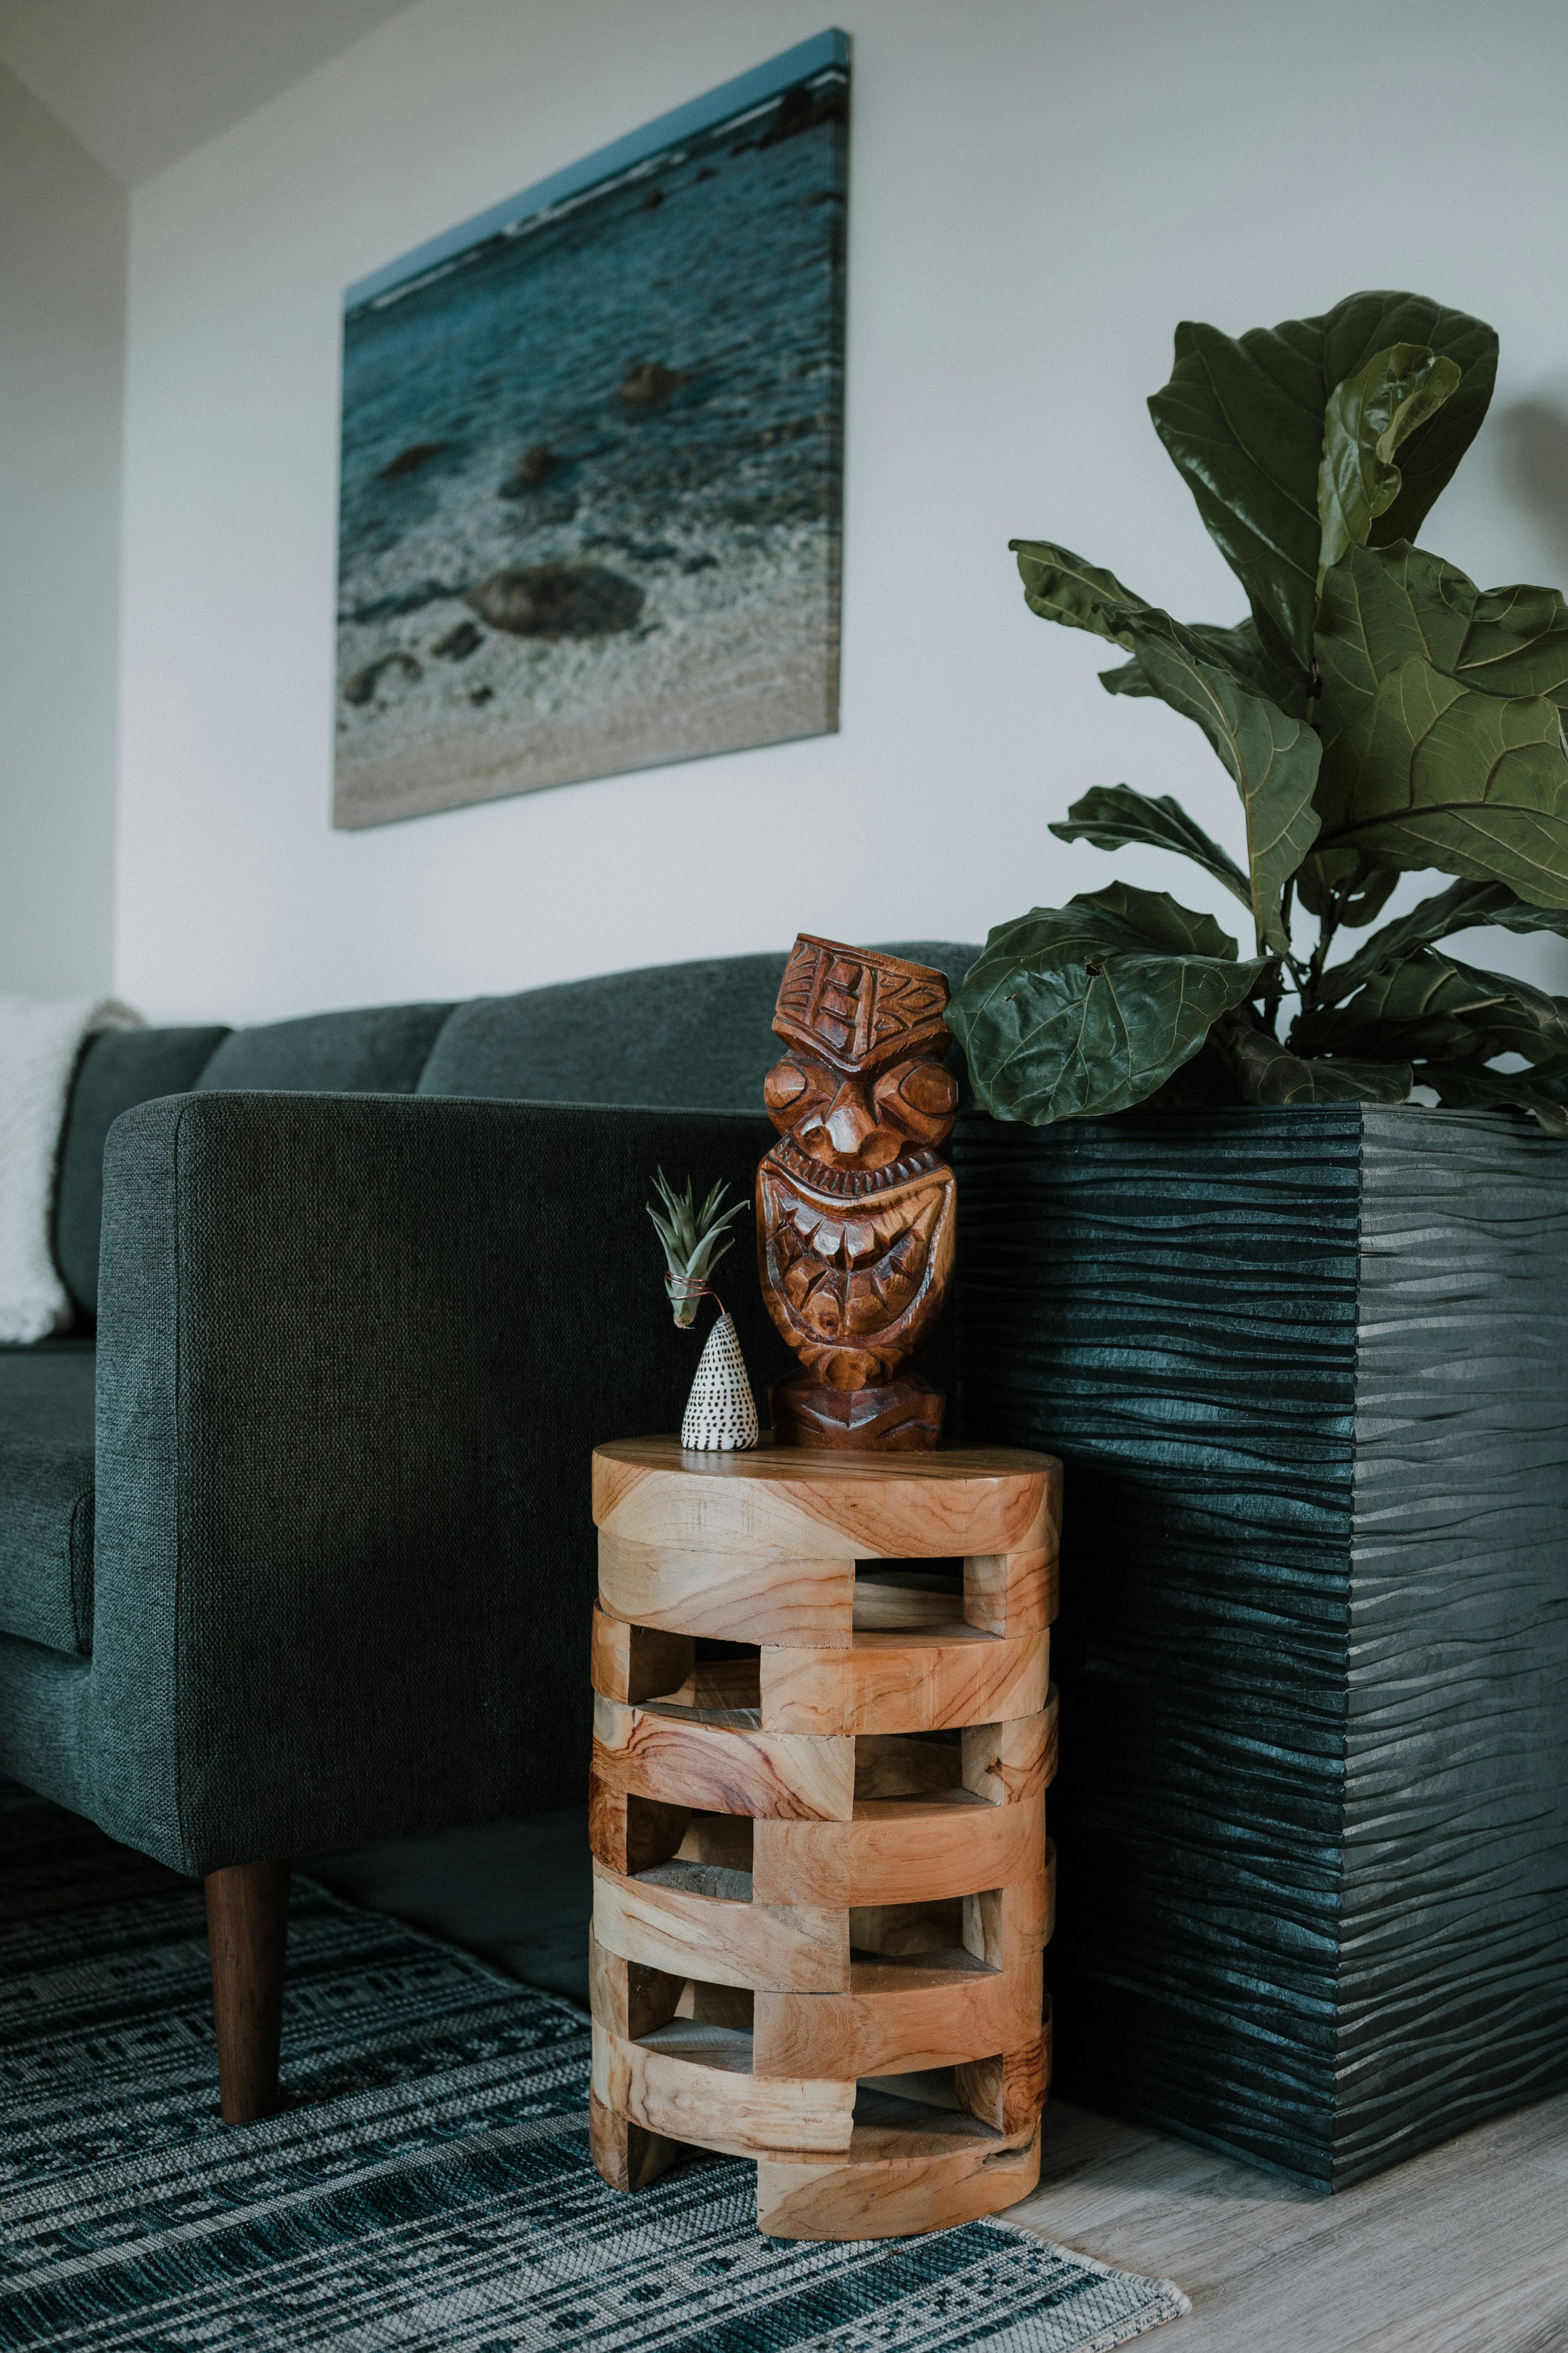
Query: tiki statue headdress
{"x":855,"y":1211}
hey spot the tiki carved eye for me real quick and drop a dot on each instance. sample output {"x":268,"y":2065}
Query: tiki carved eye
{"x":931,"y":1089}
{"x":793,"y":1086}
{"x":918,"y":1097}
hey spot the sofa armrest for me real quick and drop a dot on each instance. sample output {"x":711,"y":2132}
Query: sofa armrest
{"x":353,"y":1354}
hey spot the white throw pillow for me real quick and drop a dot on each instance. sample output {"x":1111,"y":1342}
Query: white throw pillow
{"x":39,"y":1042}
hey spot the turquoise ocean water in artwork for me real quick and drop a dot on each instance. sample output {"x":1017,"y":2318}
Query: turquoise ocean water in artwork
{"x":590,"y":464}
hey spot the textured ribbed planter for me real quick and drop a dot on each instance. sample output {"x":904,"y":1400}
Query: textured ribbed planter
{"x":1307,"y":1370}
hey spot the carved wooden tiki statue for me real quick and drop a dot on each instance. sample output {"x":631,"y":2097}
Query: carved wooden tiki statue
{"x":854,"y":1211}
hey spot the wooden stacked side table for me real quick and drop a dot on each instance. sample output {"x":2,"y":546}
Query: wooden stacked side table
{"x":821,"y":1876}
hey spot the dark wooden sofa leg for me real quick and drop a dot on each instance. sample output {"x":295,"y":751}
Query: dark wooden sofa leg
{"x":247,"y":1925}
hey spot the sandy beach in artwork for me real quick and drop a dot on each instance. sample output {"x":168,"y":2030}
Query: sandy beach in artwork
{"x":590,"y":498}
{"x":728,"y":658}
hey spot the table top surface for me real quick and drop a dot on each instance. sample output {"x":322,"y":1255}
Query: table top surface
{"x":811,"y":1466}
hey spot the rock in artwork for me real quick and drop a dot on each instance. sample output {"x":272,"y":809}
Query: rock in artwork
{"x":855,"y":1210}
{"x":589,"y":516}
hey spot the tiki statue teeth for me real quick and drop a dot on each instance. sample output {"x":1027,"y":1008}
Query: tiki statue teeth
{"x":855,"y":1211}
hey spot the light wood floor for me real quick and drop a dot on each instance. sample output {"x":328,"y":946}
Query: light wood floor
{"x":1462,"y":2251}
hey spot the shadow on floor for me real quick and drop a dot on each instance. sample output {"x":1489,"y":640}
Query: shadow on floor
{"x":518,"y":1893}
{"x":1076,"y":2144}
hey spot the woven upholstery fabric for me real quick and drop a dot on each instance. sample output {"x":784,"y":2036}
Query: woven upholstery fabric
{"x":694,"y":1034}
{"x":46,"y":1493}
{"x":379,"y":1049}
{"x":45,"y":1721}
{"x":120,"y":1067}
{"x":352,"y":1355}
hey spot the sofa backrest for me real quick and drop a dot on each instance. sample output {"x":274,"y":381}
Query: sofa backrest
{"x":695,"y":1037}
{"x":378,"y":1049}
{"x":119,"y":1070}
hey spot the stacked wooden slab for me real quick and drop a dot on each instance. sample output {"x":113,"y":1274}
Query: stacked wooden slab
{"x":822,"y":1882}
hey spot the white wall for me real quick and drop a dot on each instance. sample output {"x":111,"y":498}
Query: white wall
{"x":1040,"y":189}
{"x":62,"y":300}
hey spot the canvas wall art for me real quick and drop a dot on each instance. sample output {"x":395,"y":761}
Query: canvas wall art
{"x":589,"y":515}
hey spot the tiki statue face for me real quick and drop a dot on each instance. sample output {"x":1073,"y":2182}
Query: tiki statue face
{"x":861,"y":1083}
{"x":855,"y":1225}
{"x":859,"y":1119}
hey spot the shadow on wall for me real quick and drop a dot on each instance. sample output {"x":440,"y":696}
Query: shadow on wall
{"x":1534,"y":467}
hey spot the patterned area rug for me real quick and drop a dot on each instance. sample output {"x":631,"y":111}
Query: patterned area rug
{"x":429,"y":2185}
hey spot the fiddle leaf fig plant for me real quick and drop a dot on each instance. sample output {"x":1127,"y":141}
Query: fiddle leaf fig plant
{"x":1377,"y":713}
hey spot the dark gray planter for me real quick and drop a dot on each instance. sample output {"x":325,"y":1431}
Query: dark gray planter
{"x":1309,"y":1372}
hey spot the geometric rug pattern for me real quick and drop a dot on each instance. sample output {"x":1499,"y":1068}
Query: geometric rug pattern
{"x":428,"y":2185}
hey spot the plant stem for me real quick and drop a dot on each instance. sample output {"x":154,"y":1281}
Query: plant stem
{"x":1275,"y":993}
{"x":1327,"y":926}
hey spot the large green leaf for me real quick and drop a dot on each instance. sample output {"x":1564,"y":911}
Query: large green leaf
{"x":1127,"y":678}
{"x":1345,"y":885}
{"x":1241,"y":651}
{"x":1516,"y":641}
{"x":1432,"y":1002}
{"x":1111,"y":816}
{"x":1367,"y":419}
{"x":1267,"y":1072}
{"x":1067,"y":588}
{"x":1242,"y":417}
{"x":1381,"y":605}
{"x":1203,"y":1083}
{"x":1430,"y":773}
{"x":1061,"y":586}
{"x":1068,"y":1012}
{"x":1160,"y":920}
{"x":1466,"y":1086}
{"x":1463,"y":907}
{"x":1272,"y":757}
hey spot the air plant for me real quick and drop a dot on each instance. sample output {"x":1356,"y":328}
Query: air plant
{"x":720,"y":1413}
{"x":694,"y":1240}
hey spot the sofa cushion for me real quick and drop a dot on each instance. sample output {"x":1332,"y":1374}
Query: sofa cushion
{"x":120,"y":1067}
{"x":46,"y":1493}
{"x":378,"y":1050}
{"x":694,"y":1036}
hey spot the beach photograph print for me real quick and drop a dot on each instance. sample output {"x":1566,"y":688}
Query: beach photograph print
{"x":592,"y":452}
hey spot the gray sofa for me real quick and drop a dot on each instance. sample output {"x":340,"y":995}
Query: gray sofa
{"x":295,"y":1550}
